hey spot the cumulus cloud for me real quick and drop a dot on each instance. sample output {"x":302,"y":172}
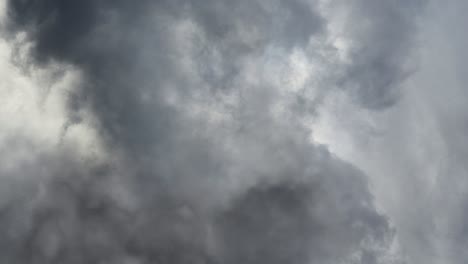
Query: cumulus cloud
{"x":197,"y":115}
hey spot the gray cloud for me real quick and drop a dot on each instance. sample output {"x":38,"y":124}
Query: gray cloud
{"x":382,"y":35}
{"x":205,"y":168}
{"x":415,"y":153}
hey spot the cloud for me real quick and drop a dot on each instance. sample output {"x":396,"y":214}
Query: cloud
{"x":414,"y":152}
{"x":205,"y":156}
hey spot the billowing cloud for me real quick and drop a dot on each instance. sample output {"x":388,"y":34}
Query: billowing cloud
{"x":198,"y":114}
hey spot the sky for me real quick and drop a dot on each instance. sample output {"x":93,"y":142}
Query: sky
{"x":226,"y":132}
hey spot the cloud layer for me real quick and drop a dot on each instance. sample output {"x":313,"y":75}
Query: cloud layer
{"x":199,"y":116}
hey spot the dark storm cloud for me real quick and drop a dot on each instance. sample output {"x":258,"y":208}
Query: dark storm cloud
{"x":281,"y":223}
{"x":94,"y":35}
{"x":252,"y":189}
{"x":83,"y":213}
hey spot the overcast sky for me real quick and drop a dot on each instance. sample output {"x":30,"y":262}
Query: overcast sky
{"x":227,"y":132}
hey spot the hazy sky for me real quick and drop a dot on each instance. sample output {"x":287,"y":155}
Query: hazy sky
{"x":218,"y":131}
